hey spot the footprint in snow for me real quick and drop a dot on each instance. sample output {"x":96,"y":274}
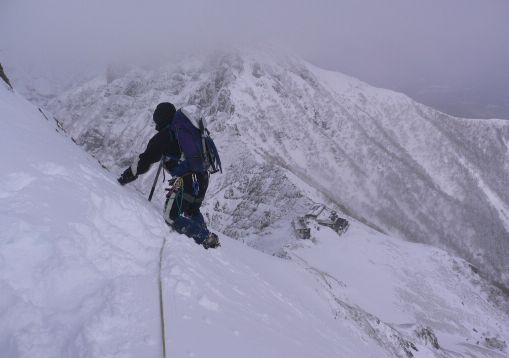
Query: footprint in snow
{"x":14,"y":182}
{"x":183,"y":288}
{"x":50,"y":168}
{"x":208,"y":304}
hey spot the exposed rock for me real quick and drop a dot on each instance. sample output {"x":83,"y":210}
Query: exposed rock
{"x":495,"y":343}
{"x":319,"y":215}
{"x":427,"y":336}
{"x":3,"y":76}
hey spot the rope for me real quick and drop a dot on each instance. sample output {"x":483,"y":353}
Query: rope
{"x":179,"y":183}
{"x":161,"y":306}
{"x":179,"y":195}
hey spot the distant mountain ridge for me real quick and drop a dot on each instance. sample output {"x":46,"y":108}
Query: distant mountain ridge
{"x":280,"y":122}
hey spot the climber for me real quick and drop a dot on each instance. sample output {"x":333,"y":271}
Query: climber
{"x":180,"y":142}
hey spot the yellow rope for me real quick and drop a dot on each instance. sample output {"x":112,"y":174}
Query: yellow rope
{"x":179,"y":184}
{"x":161,"y":306}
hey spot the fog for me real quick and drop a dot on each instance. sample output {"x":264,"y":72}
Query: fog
{"x":452,"y":54}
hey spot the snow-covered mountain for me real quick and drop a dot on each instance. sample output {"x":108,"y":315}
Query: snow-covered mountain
{"x":284,"y":126}
{"x":79,"y":266}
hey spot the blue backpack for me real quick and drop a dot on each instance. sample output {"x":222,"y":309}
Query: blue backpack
{"x":209,"y":152}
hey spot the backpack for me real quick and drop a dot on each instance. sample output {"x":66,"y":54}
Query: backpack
{"x":209,"y":153}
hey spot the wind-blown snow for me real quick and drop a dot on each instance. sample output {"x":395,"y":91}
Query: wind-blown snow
{"x":79,"y":262}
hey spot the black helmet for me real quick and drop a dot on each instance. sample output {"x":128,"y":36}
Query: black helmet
{"x":163,"y":115}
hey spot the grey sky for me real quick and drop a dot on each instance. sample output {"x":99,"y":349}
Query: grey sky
{"x":435,"y":50}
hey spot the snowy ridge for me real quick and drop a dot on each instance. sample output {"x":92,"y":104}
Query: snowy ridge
{"x":75,"y":265}
{"x":382,"y":158}
{"x":78,"y":276}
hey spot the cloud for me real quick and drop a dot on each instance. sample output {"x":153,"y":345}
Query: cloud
{"x":393,"y":43}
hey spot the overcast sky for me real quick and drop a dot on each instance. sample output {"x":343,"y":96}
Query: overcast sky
{"x":433,"y":49}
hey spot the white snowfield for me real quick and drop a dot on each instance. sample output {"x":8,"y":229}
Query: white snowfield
{"x":79,"y":263}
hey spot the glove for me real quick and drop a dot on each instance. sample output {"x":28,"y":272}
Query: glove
{"x":127,"y":177}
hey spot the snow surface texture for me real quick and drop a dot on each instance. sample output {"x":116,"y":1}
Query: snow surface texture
{"x":282,"y":124}
{"x":79,"y":263}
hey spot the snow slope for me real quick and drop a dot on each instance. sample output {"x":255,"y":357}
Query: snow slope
{"x":382,"y":158}
{"x":79,"y":259}
{"x":79,"y":262}
{"x":77,"y":252}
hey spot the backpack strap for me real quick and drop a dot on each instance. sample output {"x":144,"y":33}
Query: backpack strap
{"x":206,"y":161}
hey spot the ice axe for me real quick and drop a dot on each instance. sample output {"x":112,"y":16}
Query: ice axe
{"x":155,"y":180}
